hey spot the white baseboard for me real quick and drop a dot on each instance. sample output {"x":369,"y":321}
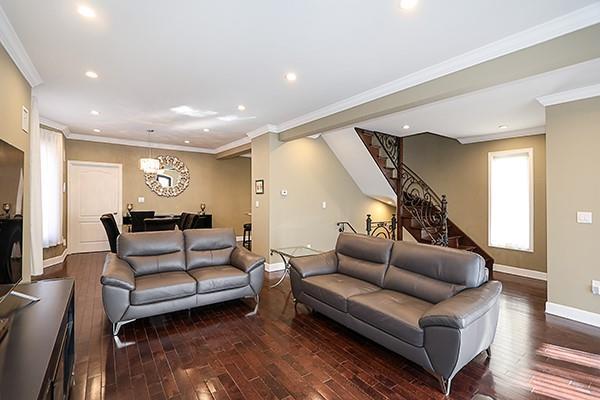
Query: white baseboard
{"x":55,"y":260}
{"x":273,"y":267}
{"x":573,"y":313}
{"x":527,"y":273}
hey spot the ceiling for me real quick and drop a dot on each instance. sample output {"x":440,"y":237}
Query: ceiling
{"x":212,"y":56}
{"x":505,"y":110}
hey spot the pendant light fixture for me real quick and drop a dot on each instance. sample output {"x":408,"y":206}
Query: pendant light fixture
{"x":149,"y":165}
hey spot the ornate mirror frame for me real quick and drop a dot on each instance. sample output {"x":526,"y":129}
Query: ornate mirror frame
{"x":182,"y":184}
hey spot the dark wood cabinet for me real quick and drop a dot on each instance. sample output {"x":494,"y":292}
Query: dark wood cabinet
{"x":37,"y":354}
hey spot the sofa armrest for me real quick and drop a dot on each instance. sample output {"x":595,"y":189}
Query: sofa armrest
{"x":318,"y":264}
{"x":117,"y":273}
{"x":463,"y":309}
{"x":245,"y":260}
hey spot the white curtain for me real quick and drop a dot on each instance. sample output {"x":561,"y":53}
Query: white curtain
{"x":35,"y":192}
{"x":51,"y":162}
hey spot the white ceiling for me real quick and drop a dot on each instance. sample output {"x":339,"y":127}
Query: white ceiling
{"x":481,"y":113}
{"x":153,"y":55}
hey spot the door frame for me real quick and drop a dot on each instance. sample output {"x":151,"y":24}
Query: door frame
{"x":77,"y":163}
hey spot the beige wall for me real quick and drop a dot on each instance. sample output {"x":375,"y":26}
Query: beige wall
{"x":224,"y":185}
{"x":573,"y":146}
{"x":15,"y":93}
{"x":311,"y":174}
{"x":461,"y":172}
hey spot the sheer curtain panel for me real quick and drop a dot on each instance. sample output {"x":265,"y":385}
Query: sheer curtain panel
{"x":51,"y":157}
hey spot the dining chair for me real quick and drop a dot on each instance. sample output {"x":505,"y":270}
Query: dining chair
{"x":112,"y":230}
{"x":137,"y":219}
{"x":159,"y":224}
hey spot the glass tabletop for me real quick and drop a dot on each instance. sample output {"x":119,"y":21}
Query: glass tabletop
{"x":296,"y":251}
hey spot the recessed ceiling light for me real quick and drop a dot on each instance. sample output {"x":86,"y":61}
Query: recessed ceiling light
{"x":290,"y":76}
{"x":406,"y":127}
{"x":186,"y":141}
{"x":97,"y":130}
{"x":86,"y":11}
{"x":91,"y":74}
{"x":94,"y":112}
{"x":503,"y":126}
{"x":206,"y":130}
{"x":408,"y":4}
{"x":242,"y":107}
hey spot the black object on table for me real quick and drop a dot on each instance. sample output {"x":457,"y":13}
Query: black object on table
{"x":200,"y":221}
{"x":159,"y":224}
{"x":38,"y":352}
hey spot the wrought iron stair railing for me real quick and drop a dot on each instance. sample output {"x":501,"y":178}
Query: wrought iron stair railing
{"x":416,"y":197}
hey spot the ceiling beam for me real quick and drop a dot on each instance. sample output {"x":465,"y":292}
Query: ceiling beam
{"x":573,"y":48}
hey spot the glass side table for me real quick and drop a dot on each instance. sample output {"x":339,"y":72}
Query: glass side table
{"x":287,"y":253}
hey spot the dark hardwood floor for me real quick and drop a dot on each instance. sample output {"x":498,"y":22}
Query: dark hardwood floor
{"x":217,"y":353}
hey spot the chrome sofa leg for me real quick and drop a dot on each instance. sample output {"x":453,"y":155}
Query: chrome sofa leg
{"x":116,"y":326}
{"x":295,"y":301}
{"x":444,"y":384}
{"x":255,"y":311}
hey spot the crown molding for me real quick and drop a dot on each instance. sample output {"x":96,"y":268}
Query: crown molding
{"x":55,"y":125}
{"x":538,"y":130}
{"x":233,"y":145}
{"x":570,"y":95}
{"x":139,"y":143}
{"x":568,"y":23}
{"x":269,"y":128}
{"x":11,"y":42}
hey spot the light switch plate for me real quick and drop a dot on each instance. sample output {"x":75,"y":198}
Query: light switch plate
{"x":284,"y":192}
{"x":584,"y":217}
{"x":25,"y":119}
{"x":141,"y":199}
{"x":324,"y":204}
{"x":257,"y":204}
{"x":596,"y":287}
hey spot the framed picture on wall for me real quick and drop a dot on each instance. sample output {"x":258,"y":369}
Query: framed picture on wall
{"x":259,"y":186}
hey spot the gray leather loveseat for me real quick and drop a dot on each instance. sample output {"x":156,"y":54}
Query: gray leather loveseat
{"x":430,"y":304}
{"x":158,"y":272}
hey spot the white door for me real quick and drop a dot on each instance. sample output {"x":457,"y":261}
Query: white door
{"x":94,"y":189}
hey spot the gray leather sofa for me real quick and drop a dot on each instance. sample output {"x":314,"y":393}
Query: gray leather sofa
{"x":159,"y":272}
{"x":430,"y":304}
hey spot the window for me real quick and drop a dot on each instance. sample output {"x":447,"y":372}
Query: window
{"x":51,"y":146}
{"x":510,"y":199}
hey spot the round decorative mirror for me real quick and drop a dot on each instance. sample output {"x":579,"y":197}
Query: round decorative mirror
{"x":171,"y":179}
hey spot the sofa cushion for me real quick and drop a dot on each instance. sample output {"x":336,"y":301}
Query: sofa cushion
{"x":208,"y":247}
{"x":395,"y":313}
{"x":335,"y":289}
{"x":152,"y":252}
{"x":221,"y":277}
{"x":162,"y":286}
{"x":363,"y":257}
{"x":433,"y":273}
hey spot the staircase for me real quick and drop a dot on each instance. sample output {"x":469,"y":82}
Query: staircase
{"x":421,"y":211}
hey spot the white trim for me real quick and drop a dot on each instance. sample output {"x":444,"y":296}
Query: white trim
{"x":239,"y":238}
{"x":274,"y":267}
{"x":539,"y":130}
{"x":139,"y":143}
{"x":233,"y":145}
{"x":570,"y":95}
{"x":49,"y":262}
{"x":15,"y":49}
{"x":269,"y":128}
{"x":573,"y":313}
{"x":491,"y":156}
{"x":526,"y":273}
{"x":565,"y":24}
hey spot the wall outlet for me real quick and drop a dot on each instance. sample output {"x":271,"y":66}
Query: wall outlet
{"x":284,"y":192}
{"x":257,"y":204}
{"x":324,"y":204}
{"x":596,"y":287}
{"x":584,"y":217}
{"x":141,"y":200}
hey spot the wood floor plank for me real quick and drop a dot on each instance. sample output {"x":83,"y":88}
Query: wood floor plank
{"x":215,"y":352}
